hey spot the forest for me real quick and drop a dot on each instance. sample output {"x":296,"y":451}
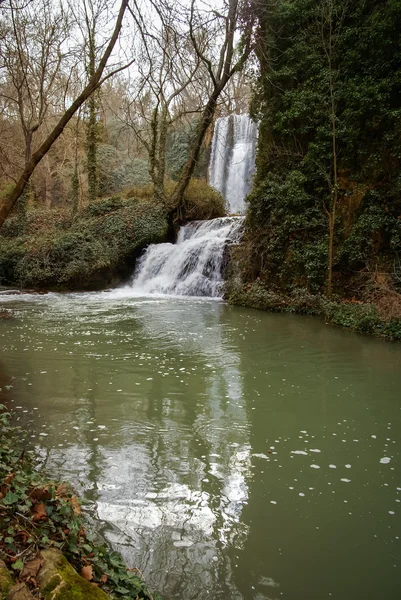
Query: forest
{"x":118,"y":110}
{"x":200,"y":299}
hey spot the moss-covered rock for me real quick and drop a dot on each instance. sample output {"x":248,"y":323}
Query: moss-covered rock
{"x":6,"y":581}
{"x":59,"y":581}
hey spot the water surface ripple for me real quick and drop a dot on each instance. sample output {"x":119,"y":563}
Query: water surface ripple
{"x":229,"y":453}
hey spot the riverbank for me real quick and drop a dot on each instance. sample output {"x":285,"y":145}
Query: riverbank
{"x":53,"y":249}
{"x":353,"y":314}
{"x":47,"y":548}
{"x":96,"y":248}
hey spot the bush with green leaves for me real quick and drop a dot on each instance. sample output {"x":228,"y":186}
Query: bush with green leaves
{"x":97,"y":248}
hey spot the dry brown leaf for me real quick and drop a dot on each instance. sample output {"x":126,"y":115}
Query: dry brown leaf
{"x":9,"y":478}
{"x":31,"y":568}
{"x":39,"y":512}
{"x":87,"y":572}
{"x":40,"y":494}
{"x":76,"y":507}
{"x":103,"y":578}
{"x":62,"y":489}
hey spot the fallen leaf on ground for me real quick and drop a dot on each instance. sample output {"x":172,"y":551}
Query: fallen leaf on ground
{"x":75,"y":505}
{"x":31,"y":568}
{"x":39,"y":512}
{"x":9,"y":478}
{"x":103,"y":578}
{"x":40,"y":494}
{"x":62,"y":489}
{"x":87,"y":572}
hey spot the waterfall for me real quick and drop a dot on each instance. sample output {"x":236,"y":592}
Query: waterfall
{"x":232,"y":160}
{"x":191,"y":267}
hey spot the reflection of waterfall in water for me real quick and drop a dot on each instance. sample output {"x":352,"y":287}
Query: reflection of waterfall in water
{"x":232,"y":161}
{"x":192,"y":266}
{"x":172,"y":491}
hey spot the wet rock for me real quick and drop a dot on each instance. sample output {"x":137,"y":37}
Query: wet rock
{"x":59,"y":581}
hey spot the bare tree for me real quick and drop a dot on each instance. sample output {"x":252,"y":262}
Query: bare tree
{"x":167,"y":67}
{"x":187,"y":57}
{"x":94,"y":81}
{"x":31,"y":60}
{"x":91,"y":16}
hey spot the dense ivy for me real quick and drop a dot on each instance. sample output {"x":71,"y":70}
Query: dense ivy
{"x":95,"y":248}
{"x":287,"y":224}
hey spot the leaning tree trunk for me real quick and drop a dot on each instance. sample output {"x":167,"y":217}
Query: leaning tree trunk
{"x":187,"y":172}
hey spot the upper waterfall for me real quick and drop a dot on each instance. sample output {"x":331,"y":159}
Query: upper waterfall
{"x":191,"y":267}
{"x":232,"y":160}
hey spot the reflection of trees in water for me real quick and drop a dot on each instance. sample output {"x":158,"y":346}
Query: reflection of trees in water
{"x":171,"y":474}
{"x":5,"y":382}
{"x":196,"y":464}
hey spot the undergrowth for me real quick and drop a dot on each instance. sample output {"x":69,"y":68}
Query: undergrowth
{"x":53,"y":249}
{"x":359,"y":316}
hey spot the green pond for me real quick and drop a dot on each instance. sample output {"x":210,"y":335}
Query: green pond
{"x":228,"y":453}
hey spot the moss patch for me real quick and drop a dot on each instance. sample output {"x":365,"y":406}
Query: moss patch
{"x":6,"y":581}
{"x":59,"y":581}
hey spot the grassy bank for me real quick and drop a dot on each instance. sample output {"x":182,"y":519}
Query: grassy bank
{"x":38,"y":515}
{"x":356,"y":315}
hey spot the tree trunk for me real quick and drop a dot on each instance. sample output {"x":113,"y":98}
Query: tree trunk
{"x":91,"y":150}
{"x":91,"y":131}
{"x":186,"y":174}
{"x":334,"y":191}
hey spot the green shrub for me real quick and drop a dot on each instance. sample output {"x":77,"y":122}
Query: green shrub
{"x":357,"y":316}
{"x":102,"y":207}
{"x":12,"y":252}
{"x":97,"y":248}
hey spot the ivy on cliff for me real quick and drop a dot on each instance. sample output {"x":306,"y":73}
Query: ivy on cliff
{"x":287,"y":223}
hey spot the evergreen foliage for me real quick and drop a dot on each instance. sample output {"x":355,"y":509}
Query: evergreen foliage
{"x":94,"y":249}
{"x":37,"y":514}
{"x":287,"y":223}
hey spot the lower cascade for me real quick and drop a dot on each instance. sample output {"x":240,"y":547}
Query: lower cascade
{"x":192,"y":266}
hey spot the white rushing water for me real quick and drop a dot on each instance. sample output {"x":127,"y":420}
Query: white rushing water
{"x":191,"y":267}
{"x":232,"y":160}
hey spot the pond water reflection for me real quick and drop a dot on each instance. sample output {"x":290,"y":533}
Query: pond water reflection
{"x":229,"y":453}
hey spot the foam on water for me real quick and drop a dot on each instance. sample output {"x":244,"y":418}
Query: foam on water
{"x":191,"y":267}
